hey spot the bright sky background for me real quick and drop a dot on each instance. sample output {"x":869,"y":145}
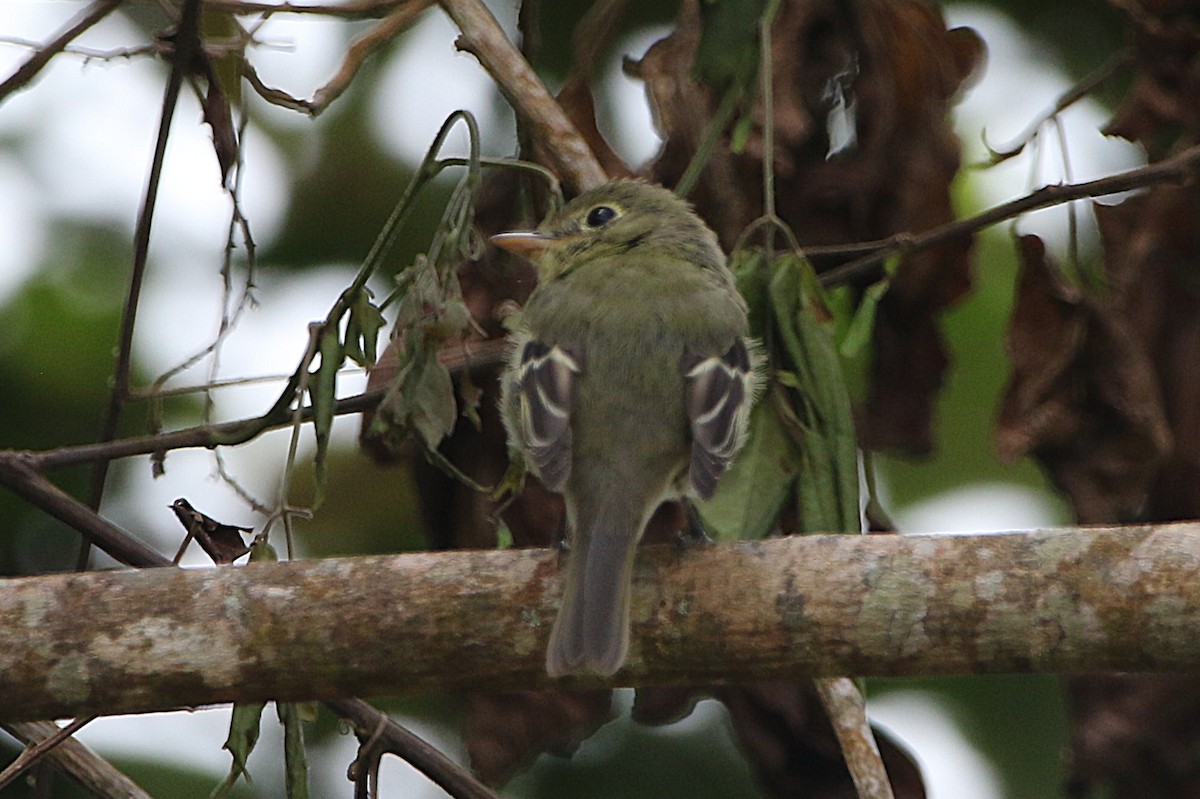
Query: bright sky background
{"x":86,"y":134}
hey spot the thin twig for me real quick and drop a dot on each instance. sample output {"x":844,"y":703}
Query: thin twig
{"x":483,"y":37}
{"x":89,"y":54}
{"x":35,"y":63}
{"x":708,"y":144}
{"x":239,"y":431}
{"x":18,"y":475}
{"x":354,"y":9}
{"x":35,"y":751}
{"x":1082,"y":89}
{"x":395,"y":23}
{"x":847,"y":710}
{"x":766,"y":69}
{"x":397,"y":740}
{"x":386,"y":31}
{"x":1176,"y":169}
{"x":83,"y":765}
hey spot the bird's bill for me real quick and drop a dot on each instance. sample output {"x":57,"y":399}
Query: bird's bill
{"x":525,"y":242}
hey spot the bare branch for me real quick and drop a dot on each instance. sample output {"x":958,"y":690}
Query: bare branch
{"x":40,"y":492}
{"x":483,"y":37}
{"x":847,"y":710}
{"x":93,"y":772}
{"x":1082,"y":89}
{"x":1057,"y":601}
{"x":392,"y":26}
{"x":186,"y":46}
{"x":18,"y":474}
{"x":456,"y":357}
{"x":353,"y":9}
{"x":34,"y":64}
{"x":1179,"y":168}
{"x":414,"y":750}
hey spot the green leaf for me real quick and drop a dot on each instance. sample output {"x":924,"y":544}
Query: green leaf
{"x":243,"y":735}
{"x":433,"y":409}
{"x":362,"y":329}
{"x":295,"y":759}
{"x":261,"y":551}
{"x":728,"y":52}
{"x":752,"y":493}
{"x":471,"y":395}
{"x":854,"y":331}
{"x":219,"y":25}
{"x":324,"y":400}
{"x":741,"y":134}
{"x":504,"y":537}
{"x":828,"y":480}
{"x":753,"y":277}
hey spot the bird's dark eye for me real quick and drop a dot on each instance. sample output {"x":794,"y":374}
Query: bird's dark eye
{"x":600,"y":216}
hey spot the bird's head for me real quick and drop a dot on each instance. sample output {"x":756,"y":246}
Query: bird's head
{"x":612,"y":219}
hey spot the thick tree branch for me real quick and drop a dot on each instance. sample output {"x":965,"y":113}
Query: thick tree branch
{"x":1071,"y":600}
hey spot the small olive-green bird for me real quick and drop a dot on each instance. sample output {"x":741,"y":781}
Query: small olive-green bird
{"x":630,"y":383}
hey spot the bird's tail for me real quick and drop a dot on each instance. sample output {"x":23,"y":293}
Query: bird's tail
{"x":591,"y":633}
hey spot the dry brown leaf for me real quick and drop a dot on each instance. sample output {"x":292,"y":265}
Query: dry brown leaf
{"x":784,"y":732}
{"x":221,"y":542}
{"x":1134,"y":737}
{"x":1163,"y":103}
{"x":1083,"y":397}
{"x":506,"y":732}
{"x":577,"y":101}
{"x":1152,"y":249}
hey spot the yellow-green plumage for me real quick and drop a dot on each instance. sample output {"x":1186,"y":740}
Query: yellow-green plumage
{"x":630,"y":383}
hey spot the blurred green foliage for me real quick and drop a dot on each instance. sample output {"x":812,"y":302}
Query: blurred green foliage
{"x":56,"y":357}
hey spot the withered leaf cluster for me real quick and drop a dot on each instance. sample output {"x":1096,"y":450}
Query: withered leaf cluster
{"x":1105,"y":394}
{"x":1103,"y":391}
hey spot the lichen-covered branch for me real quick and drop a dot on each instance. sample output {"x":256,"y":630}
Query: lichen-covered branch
{"x":1071,"y":600}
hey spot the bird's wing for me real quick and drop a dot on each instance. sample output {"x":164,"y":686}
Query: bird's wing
{"x":545,"y":383}
{"x":720,"y":391}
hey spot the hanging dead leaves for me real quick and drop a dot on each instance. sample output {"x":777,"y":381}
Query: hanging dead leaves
{"x":1104,"y":392}
{"x":1083,"y":398}
{"x":864,"y":149}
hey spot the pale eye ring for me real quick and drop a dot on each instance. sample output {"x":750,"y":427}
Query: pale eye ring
{"x":600,"y":216}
